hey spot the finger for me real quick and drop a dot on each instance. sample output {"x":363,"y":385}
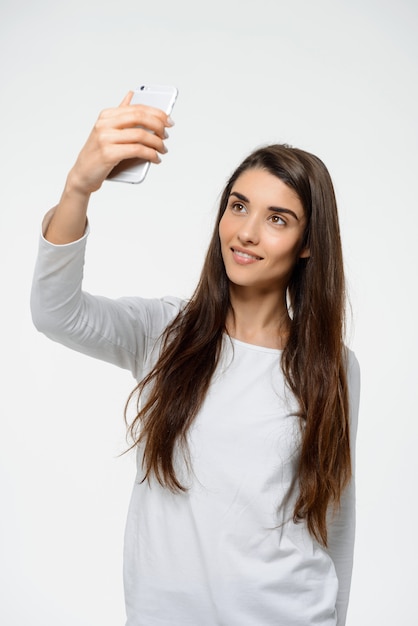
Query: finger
{"x":145,"y":112}
{"x":138,"y":136}
{"x":135,"y":138}
{"x":121,"y":152}
{"x":154,"y":112}
{"x":138,"y":109}
{"x":133,"y":116}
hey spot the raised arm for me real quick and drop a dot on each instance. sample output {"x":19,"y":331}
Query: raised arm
{"x":118,"y":331}
{"x":119,"y":133}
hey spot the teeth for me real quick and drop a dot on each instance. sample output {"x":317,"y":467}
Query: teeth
{"x":245,"y":255}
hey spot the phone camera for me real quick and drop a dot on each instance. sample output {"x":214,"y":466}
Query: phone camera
{"x":142,"y":87}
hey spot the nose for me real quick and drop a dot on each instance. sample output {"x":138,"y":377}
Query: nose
{"x":249,"y":233}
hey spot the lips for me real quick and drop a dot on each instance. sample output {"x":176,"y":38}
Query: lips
{"x":244,"y":257}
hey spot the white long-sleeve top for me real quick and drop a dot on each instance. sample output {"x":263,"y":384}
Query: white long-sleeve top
{"x":226,"y":552}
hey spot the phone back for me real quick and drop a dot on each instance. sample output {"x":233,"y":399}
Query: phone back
{"x":161,"y":97}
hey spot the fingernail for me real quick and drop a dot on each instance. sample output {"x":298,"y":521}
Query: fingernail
{"x":165,"y":149}
{"x":170,"y":122}
{"x":166,"y":135}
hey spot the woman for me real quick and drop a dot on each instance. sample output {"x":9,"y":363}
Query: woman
{"x":242,"y":511}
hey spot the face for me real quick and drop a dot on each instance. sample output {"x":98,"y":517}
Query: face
{"x":261,"y":232}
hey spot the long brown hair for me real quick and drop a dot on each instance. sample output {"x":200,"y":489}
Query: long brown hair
{"x":313,"y":360}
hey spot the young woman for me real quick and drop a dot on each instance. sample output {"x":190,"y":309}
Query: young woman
{"x":242,"y":512}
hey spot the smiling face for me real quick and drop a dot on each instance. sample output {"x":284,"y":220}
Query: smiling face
{"x":261,"y":232}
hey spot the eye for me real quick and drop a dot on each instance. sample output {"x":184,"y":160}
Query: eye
{"x":238,"y":207}
{"x":277,"y":219}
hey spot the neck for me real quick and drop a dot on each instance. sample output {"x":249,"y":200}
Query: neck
{"x":259,"y":319}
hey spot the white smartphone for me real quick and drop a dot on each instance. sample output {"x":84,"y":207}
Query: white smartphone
{"x":158,"y":96}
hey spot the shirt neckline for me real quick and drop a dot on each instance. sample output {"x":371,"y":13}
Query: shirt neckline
{"x":252,"y":346}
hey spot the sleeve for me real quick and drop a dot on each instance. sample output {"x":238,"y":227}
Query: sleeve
{"x":342,"y":526}
{"x":122,"y":331}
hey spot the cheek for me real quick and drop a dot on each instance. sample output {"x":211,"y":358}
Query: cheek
{"x":285,"y":251}
{"x":224,"y":230}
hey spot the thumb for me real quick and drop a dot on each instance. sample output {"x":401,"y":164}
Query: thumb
{"x":127,"y":99}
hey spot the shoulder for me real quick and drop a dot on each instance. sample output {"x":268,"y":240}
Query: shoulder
{"x":353,"y":366}
{"x":353,"y":381}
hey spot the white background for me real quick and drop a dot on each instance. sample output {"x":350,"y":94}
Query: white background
{"x":338,"y":78}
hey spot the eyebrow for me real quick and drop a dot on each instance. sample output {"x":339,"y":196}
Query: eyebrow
{"x":276,"y":209}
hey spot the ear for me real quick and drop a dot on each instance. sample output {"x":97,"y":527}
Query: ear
{"x":305,"y":253}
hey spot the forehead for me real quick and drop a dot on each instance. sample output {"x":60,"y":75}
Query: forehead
{"x":263,"y":188}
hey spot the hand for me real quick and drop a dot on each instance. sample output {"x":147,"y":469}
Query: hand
{"x":115,"y":137}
